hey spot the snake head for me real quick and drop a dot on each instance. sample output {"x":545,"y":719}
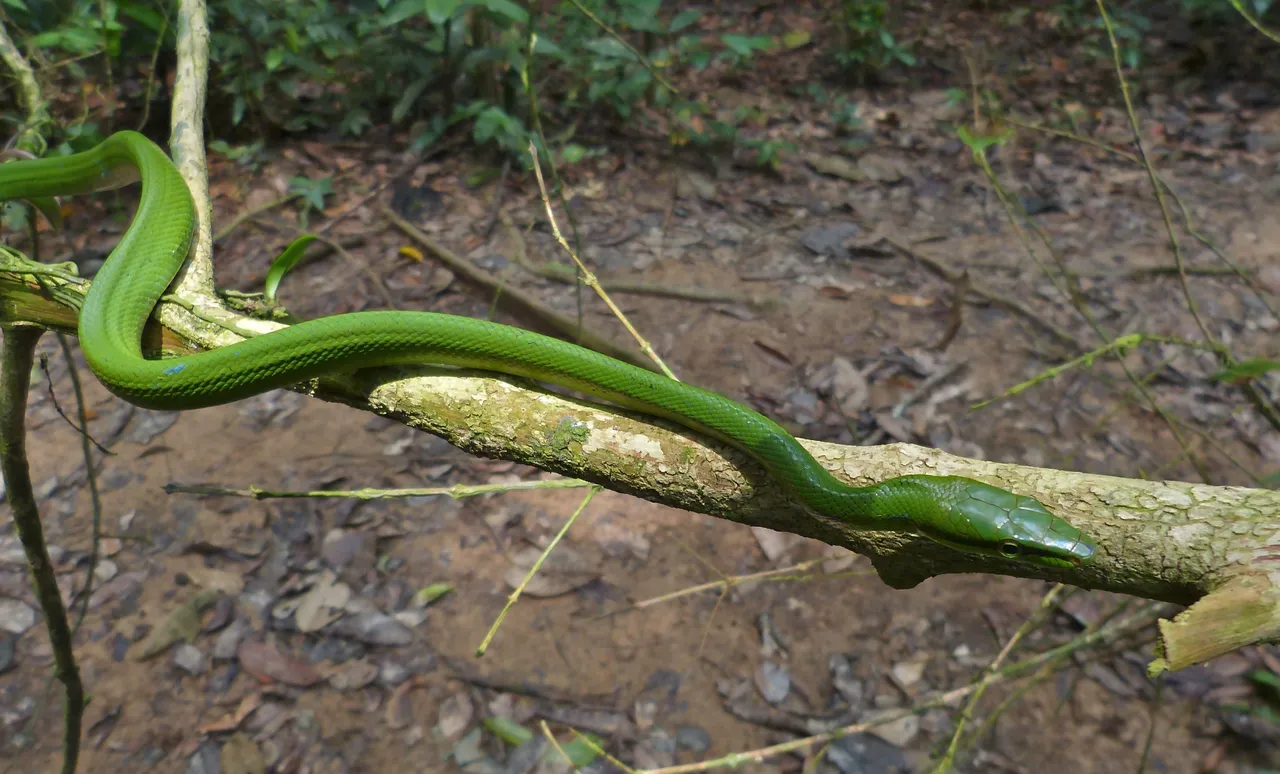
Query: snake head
{"x":981,"y":518}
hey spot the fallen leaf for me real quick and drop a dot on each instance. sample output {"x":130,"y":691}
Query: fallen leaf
{"x":322,"y":604}
{"x":455,"y":715}
{"x":182,"y":624}
{"x":353,"y":675}
{"x":231,"y":722}
{"x":399,"y":711}
{"x":899,"y":299}
{"x":240,"y":755}
{"x":267,"y":664}
{"x":412,"y":253}
{"x":835,"y":166}
{"x":229,"y":583}
{"x":564,"y":570}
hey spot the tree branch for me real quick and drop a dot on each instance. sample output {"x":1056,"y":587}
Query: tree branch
{"x":1172,"y":541}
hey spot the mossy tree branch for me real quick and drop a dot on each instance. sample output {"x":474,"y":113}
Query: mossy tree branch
{"x":1171,"y":541}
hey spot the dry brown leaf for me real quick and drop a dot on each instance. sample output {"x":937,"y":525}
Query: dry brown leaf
{"x":232,"y":721}
{"x":268,"y":664}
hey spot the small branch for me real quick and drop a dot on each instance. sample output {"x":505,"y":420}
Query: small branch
{"x":250,"y":214}
{"x":514,"y":299}
{"x":991,"y":296}
{"x":186,"y":142}
{"x":568,"y":276}
{"x":16,"y":359}
{"x":90,"y":476}
{"x":514,"y":596}
{"x":589,"y":277}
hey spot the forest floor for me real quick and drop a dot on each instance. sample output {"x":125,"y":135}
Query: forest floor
{"x":276,"y":675}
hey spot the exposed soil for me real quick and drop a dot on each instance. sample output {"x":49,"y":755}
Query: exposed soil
{"x":642,"y":679}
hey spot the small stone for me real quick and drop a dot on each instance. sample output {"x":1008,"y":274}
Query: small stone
{"x":692,"y":738}
{"x":899,"y":732}
{"x":190,"y":659}
{"x":352,"y":550}
{"x":16,"y":616}
{"x":206,"y":760}
{"x":866,"y":754}
{"x":411,"y":618}
{"x":909,"y":673}
{"x":354,"y":676}
{"x":335,"y":650}
{"x":373,"y":628}
{"x":645,"y":713}
{"x":773,"y":682}
{"x":119,"y":647}
{"x":224,"y":648}
{"x":391,"y":672}
{"x":105,"y":571}
{"x":657,"y":751}
{"x":455,"y":715}
{"x":222,"y":678}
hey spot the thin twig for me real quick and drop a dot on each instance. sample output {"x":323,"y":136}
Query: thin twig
{"x":948,"y":758}
{"x":515,"y":595}
{"x":91,"y":477}
{"x":588,"y":277}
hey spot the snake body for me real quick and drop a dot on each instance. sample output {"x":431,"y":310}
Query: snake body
{"x":959,"y":512}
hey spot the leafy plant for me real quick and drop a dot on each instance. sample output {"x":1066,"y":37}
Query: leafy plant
{"x":312,"y":192}
{"x":866,"y":43}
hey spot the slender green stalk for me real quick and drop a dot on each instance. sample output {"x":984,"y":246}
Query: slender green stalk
{"x":95,"y":498}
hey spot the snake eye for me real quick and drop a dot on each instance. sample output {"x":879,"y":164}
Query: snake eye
{"x":1010,"y":548}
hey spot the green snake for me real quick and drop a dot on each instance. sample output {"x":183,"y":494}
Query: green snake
{"x":959,"y":512}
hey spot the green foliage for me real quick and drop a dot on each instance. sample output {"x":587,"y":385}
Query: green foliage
{"x":312,"y":192}
{"x":868,"y":45}
{"x":1133,"y":27}
{"x":428,"y":67}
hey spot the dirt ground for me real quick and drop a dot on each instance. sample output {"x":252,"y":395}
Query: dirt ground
{"x":392,"y":683}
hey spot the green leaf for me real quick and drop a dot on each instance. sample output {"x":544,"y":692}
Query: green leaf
{"x":284,"y":262}
{"x":506,"y":8}
{"x":508,"y":731}
{"x":77,"y":40}
{"x":274,"y":58}
{"x":312,"y":191}
{"x":684,"y":19}
{"x":746,"y":45}
{"x":147,"y":17}
{"x":441,"y":11}
{"x":548,"y":47}
{"x":407,"y":99}
{"x":578,"y":751}
{"x":609,"y":47}
{"x":573,"y":153}
{"x":237,"y":110}
{"x":1265,"y":677}
{"x":978,"y":143}
{"x":1247,"y":369}
{"x":428,"y":594}
{"x":21,"y":6}
{"x":403,"y":9}
{"x":796,"y":39}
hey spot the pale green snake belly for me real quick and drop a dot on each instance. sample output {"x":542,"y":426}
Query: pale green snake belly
{"x":959,"y":512}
